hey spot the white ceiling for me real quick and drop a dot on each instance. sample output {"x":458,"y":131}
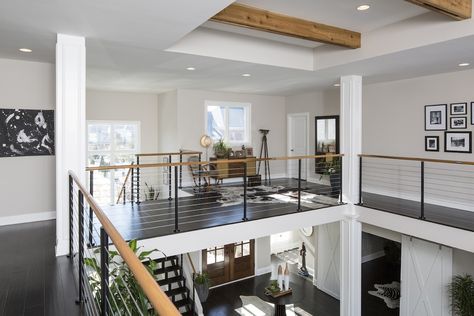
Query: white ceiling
{"x":126,"y":39}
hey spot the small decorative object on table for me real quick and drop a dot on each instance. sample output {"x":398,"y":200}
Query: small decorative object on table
{"x":286,"y":278}
{"x":280,"y":277}
{"x":274,"y":290}
{"x":220,"y":149}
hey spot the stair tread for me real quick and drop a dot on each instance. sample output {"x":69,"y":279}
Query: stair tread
{"x":174,"y":279}
{"x":172,"y":268}
{"x":177,"y":291}
{"x":170,"y":258}
{"x":185,"y":302}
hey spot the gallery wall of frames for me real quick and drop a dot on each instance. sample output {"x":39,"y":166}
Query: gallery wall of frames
{"x":455,"y":121}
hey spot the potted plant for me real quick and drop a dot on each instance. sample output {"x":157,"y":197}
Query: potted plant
{"x":220,"y":149}
{"x":151,"y":193}
{"x":332,"y":169}
{"x":201,"y":283}
{"x":462,"y":295}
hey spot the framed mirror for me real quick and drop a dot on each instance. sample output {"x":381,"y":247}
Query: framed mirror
{"x":326,"y":137}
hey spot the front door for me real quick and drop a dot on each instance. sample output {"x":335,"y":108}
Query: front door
{"x":230,"y":262}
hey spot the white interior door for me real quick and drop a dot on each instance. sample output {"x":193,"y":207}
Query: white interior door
{"x":298,"y":143}
{"x":329,"y":259}
{"x":426,"y":273}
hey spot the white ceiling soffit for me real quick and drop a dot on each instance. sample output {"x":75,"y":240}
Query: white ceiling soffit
{"x":141,"y":23}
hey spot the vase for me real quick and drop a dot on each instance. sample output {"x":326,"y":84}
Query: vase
{"x":286,"y":278}
{"x":202,"y":291}
{"x":280,"y":278}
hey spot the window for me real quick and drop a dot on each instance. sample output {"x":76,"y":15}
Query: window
{"x":111,"y":143}
{"x":228,"y":121}
{"x":215,"y":254}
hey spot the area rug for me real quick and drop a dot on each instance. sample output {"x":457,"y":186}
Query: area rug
{"x":254,"y":306}
{"x":390,"y":293}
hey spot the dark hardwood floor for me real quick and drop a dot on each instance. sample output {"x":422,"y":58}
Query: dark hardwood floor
{"x":377,"y":271}
{"x":224,"y":300}
{"x":32,"y":280}
{"x":433,"y":213}
{"x":202,"y":210}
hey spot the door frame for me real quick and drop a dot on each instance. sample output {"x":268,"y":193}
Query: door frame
{"x":289,"y":117}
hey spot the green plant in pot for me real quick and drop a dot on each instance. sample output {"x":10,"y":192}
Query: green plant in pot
{"x":462,"y":295}
{"x":332,"y":169}
{"x":151,"y":193}
{"x":125,"y":294}
{"x":201,"y":283}
{"x":220,"y":149}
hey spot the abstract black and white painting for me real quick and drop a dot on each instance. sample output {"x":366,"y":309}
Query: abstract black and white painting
{"x":458,"y":142}
{"x":436,"y":117}
{"x":26,"y":132}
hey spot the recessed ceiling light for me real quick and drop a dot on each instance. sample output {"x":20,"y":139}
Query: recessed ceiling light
{"x":464,"y":64}
{"x":337,"y":84}
{"x":363,"y":7}
{"x":25,"y":50}
{"x":190,"y":68}
{"x":246,"y":75}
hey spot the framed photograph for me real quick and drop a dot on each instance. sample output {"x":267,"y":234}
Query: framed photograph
{"x":249,"y":151}
{"x":458,"y":142}
{"x":458,"y":122}
{"x":431,"y":143}
{"x":458,"y":108}
{"x":239,"y":154}
{"x":436,"y":117}
{"x":472,"y":113}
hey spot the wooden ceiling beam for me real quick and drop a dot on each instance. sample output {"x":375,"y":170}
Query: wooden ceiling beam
{"x":262,"y":20}
{"x":456,"y":9}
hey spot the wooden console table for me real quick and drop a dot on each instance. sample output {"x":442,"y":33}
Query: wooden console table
{"x":234,"y":168}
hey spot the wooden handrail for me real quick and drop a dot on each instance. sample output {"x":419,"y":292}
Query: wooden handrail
{"x":219,"y":161}
{"x":160,"y":301}
{"x":457,"y":162}
{"x":187,"y":152}
{"x":124,"y":184}
{"x":191,"y":262}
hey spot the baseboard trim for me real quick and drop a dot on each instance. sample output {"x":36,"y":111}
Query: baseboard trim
{"x":27,"y":218}
{"x":373,"y":256}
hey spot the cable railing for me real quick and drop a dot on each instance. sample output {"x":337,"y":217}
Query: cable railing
{"x":114,"y":277}
{"x":435,"y":190}
{"x":169,"y":197}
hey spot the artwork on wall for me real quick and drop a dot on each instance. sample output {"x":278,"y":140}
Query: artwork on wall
{"x":472,"y":113}
{"x":432,"y":143}
{"x":436,"y":117}
{"x":458,"y":108}
{"x":26,"y":132}
{"x":458,"y":122}
{"x":458,"y":142}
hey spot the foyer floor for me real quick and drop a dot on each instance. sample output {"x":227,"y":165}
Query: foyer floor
{"x":32,"y":280}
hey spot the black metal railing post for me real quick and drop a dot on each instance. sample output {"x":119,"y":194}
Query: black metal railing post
{"x":176,"y":217}
{"x":132,"y":187}
{"x":91,"y":213}
{"x":180,"y":169}
{"x":340,"y":179}
{"x":200,"y":171}
{"x":194,"y":294}
{"x":138,"y":180}
{"x":124,"y":195}
{"x":71,"y":217}
{"x":81,"y":245}
{"x":299,"y":185}
{"x":104,"y":271}
{"x":360,"y":180}
{"x":245,"y":192}
{"x":422,"y":200}
{"x":169,"y":178}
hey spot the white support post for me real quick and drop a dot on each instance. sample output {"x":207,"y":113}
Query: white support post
{"x":351,"y":132}
{"x":351,"y":228}
{"x":351,"y":266}
{"x":70,"y":127}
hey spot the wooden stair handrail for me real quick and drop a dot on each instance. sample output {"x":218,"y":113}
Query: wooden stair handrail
{"x":457,"y":162}
{"x":160,"y":301}
{"x":220,"y":161}
{"x":191,"y":262}
{"x":124,"y":184}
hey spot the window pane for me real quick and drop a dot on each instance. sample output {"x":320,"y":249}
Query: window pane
{"x":125,"y":136}
{"x":216,"y":122}
{"x":102,"y":178}
{"x":246,"y":249}
{"x":211,"y":257}
{"x":219,"y":255}
{"x":99,"y":137}
{"x":237,"y":124}
{"x":238,"y":251}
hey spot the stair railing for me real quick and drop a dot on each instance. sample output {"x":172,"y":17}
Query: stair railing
{"x":99,"y":291}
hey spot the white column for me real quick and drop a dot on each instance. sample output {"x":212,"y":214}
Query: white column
{"x":351,"y":136}
{"x":70,"y":127}
{"x":351,"y":266}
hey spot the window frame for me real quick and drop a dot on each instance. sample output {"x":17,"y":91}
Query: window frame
{"x":113,"y":151}
{"x":228,"y":104}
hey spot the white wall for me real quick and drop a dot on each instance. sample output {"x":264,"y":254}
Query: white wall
{"x":320,"y":103}
{"x":124,"y":106}
{"x":27,"y":188}
{"x":168,"y":122}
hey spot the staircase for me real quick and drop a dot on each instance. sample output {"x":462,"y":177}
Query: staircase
{"x":169,"y":275}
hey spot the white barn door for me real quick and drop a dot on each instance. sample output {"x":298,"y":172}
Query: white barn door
{"x":328,"y":271}
{"x":426,"y":273}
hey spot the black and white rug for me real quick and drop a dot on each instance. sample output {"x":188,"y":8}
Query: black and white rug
{"x":390,"y":293}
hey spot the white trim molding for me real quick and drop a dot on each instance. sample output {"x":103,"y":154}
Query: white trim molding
{"x":27,"y":218}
